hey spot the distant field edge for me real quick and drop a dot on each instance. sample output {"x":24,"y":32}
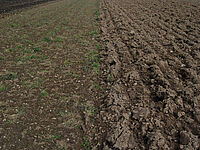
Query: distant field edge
{"x":22,"y":4}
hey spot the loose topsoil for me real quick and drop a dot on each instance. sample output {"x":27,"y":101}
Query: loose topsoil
{"x":151,"y":66}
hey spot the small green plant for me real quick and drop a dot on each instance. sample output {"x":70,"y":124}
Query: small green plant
{"x":68,"y":19}
{"x":14,"y":25}
{"x":93,"y":33}
{"x":44,"y":93}
{"x":61,"y":113}
{"x":19,"y":46}
{"x":22,"y":37}
{"x":38,"y":24}
{"x":79,"y":126}
{"x":21,"y":111}
{"x":64,"y":23}
{"x":43,"y":71}
{"x":74,"y":74}
{"x":91,"y":110}
{"x":96,"y":67}
{"x":98,"y":46}
{"x":110,"y":79}
{"x":9,"y":76}
{"x":36,"y":49}
{"x":97,"y":15}
{"x":26,"y":50}
{"x":55,"y":137}
{"x":52,"y":33}
{"x":28,"y":84}
{"x":24,"y":132}
{"x":79,"y":38}
{"x":64,"y":99}
{"x":9,"y":50}
{"x":84,"y":44}
{"x":44,"y":104}
{"x":97,"y":86}
{"x":94,"y":60}
{"x":10,"y":121}
{"x":24,"y":25}
{"x":46,"y":39}
{"x":1,"y":58}
{"x":57,"y":29}
{"x":4,"y":88}
{"x":43,"y":58}
{"x":66,"y":61}
{"x":18,"y":59}
{"x":29,"y":42}
{"x":85,"y":144}
{"x":38,"y":82}
{"x":32,"y":57}
{"x":58,"y":39}
{"x":93,"y":56}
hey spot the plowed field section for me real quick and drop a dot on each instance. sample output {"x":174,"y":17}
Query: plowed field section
{"x":152,"y":71}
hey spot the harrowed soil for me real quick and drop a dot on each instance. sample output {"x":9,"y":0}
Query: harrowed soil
{"x":49,"y":66}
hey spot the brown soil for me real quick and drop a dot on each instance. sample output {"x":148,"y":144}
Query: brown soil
{"x":48,"y":77}
{"x":148,"y":96}
{"x":151,"y":71}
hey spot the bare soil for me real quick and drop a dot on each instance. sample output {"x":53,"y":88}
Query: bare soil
{"x":151,"y":67}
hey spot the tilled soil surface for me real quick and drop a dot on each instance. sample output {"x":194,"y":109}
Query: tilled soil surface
{"x":151,"y":68}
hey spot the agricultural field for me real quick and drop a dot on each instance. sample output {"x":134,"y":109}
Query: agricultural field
{"x":152,"y":68}
{"x":49,"y":65}
{"x":100,"y":75}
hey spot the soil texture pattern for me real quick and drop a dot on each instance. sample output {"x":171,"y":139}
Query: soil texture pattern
{"x":151,"y":71}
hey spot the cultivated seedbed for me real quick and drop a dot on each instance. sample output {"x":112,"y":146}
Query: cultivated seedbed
{"x":152,"y":71}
